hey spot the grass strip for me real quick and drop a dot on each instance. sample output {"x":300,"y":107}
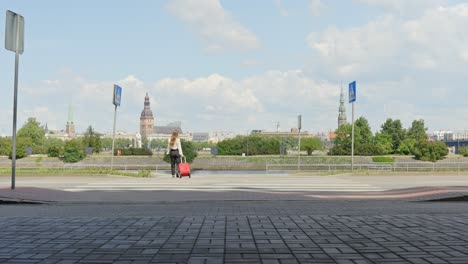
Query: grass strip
{"x":4,"y":171}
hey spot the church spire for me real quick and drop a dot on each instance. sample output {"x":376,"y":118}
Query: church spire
{"x":342,"y":109}
{"x":70,"y":128}
{"x":70,"y":115}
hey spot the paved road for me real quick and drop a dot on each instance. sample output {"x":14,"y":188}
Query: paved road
{"x":233,"y":219}
{"x":218,"y":187}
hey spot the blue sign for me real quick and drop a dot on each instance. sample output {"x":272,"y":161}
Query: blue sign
{"x":352,"y":92}
{"x":117,"y":95}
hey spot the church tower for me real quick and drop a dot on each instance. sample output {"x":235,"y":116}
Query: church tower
{"x":342,"y":110}
{"x":70,"y":129}
{"x":146,"y":119}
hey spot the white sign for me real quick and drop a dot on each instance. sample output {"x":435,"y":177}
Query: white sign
{"x":14,"y":32}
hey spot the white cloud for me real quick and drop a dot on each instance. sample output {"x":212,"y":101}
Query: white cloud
{"x":405,"y":8}
{"x":435,"y":40}
{"x":214,"y":25}
{"x":226,"y":93}
{"x":356,"y":50}
{"x":216,"y":102}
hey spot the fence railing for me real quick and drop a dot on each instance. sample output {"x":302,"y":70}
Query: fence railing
{"x":386,"y":167}
{"x":84,"y":166}
{"x":309,"y":167}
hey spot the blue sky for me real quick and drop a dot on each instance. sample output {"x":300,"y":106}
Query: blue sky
{"x":238,"y":65}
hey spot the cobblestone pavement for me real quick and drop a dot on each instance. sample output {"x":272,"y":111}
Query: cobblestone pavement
{"x":242,"y":220}
{"x":409,"y":238}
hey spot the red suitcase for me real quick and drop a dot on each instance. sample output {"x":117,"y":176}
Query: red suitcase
{"x":184,"y":168}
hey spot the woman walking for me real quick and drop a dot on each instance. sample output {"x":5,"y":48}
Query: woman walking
{"x":174,"y":149}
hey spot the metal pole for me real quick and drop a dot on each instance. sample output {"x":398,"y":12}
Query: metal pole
{"x":352,"y":139}
{"x":277,"y":133}
{"x":247,"y":144}
{"x":113,"y":138}
{"x":299,"y":155}
{"x":15,"y":108}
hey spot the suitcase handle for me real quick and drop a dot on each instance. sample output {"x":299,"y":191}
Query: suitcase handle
{"x":183,"y":159}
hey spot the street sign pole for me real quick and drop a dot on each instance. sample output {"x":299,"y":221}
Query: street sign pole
{"x":14,"y":41}
{"x":352,"y":100}
{"x":113,"y":138}
{"x":352,"y":139}
{"x":117,"y":97}
{"x":15,"y":111}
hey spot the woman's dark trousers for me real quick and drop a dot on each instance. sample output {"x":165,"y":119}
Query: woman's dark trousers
{"x":175,"y":160}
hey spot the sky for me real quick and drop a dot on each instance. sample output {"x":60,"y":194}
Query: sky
{"x":229,"y":65}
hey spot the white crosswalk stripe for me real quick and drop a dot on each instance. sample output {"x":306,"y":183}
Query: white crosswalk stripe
{"x":213,"y":183}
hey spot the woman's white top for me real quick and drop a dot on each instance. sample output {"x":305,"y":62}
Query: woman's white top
{"x":176,"y":145}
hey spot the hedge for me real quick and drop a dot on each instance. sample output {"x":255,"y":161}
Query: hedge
{"x":133,"y":152}
{"x":383,"y":159}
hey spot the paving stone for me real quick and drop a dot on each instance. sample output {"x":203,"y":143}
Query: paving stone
{"x":231,"y":239}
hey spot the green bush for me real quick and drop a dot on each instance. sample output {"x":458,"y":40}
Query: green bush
{"x":383,"y":159}
{"x":251,"y":145}
{"x":73,"y":151}
{"x":39,"y":159}
{"x":430,"y":151}
{"x":55,"y":151}
{"x":463,"y":151}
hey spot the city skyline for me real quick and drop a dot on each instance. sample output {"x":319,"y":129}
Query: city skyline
{"x":236,"y":70}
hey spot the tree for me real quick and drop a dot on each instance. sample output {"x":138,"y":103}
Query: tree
{"x":106,"y":143}
{"x":92,"y":140}
{"x":145,"y":142}
{"x":73,"y":151}
{"x":202,"y":145}
{"x":362,"y":132}
{"x":21,"y":144}
{"x":383,"y":143}
{"x":33,"y":130}
{"x":311,"y":144}
{"x":407,"y":146}
{"x":158,"y":143}
{"x":395,"y":130}
{"x":5,"y":146}
{"x":122,"y":143}
{"x":364,"y":141}
{"x":342,"y":142}
{"x":417,"y":130}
